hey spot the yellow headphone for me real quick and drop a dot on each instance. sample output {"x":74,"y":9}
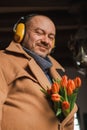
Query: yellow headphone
{"x":19,"y":30}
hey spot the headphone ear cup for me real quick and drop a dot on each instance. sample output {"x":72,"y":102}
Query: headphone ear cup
{"x":19,"y":32}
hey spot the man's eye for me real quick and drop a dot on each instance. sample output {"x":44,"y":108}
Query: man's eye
{"x":51,"y":38}
{"x":39,"y":32}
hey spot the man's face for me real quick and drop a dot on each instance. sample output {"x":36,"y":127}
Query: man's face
{"x":40,"y":35}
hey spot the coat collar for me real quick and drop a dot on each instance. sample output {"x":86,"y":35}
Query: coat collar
{"x":36,"y":70}
{"x":44,"y":63}
{"x":16,"y":48}
{"x":39,"y":74}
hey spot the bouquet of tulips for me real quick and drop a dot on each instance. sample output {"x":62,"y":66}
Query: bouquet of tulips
{"x":62,"y":95}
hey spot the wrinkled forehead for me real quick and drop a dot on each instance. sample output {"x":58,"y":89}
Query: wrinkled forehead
{"x":42,"y":22}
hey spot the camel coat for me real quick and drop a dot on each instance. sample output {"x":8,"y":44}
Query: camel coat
{"x":22,"y":104}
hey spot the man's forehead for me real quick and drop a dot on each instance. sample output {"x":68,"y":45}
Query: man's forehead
{"x":40,"y":19}
{"x":43,"y":22}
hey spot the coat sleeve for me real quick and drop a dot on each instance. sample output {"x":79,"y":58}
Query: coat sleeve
{"x":3,"y":93}
{"x":68,"y":122}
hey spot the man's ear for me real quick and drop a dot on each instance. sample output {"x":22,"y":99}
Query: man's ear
{"x":53,"y":44}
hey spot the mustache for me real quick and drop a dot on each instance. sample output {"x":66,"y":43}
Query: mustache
{"x":44,"y":44}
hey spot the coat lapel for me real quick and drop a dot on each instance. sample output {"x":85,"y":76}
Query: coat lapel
{"x":54,"y":74}
{"x":53,"y":70}
{"x":36,"y":70}
{"x":39,"y":74}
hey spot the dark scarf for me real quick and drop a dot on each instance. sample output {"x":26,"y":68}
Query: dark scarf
{"x":44,"y":63}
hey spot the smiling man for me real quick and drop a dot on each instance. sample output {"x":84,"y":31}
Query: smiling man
{"x":25,"y":67}
{"x":40,"y":35}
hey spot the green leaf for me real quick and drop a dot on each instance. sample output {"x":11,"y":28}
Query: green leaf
{"x":72,"y":100}
{"x":44,"y":91}
{"x":65,"y":92}
{"x":58,"y":112}
{"x":66,"y":112}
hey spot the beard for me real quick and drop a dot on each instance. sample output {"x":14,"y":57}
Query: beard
{"x":41,"y":48}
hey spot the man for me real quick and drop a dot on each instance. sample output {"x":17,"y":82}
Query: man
{"x":25,"y":67}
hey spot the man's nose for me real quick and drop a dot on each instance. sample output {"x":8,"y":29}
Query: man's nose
{"x":45,"y":39}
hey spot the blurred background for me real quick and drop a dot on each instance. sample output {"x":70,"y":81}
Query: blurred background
{"x":70,"y":18}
